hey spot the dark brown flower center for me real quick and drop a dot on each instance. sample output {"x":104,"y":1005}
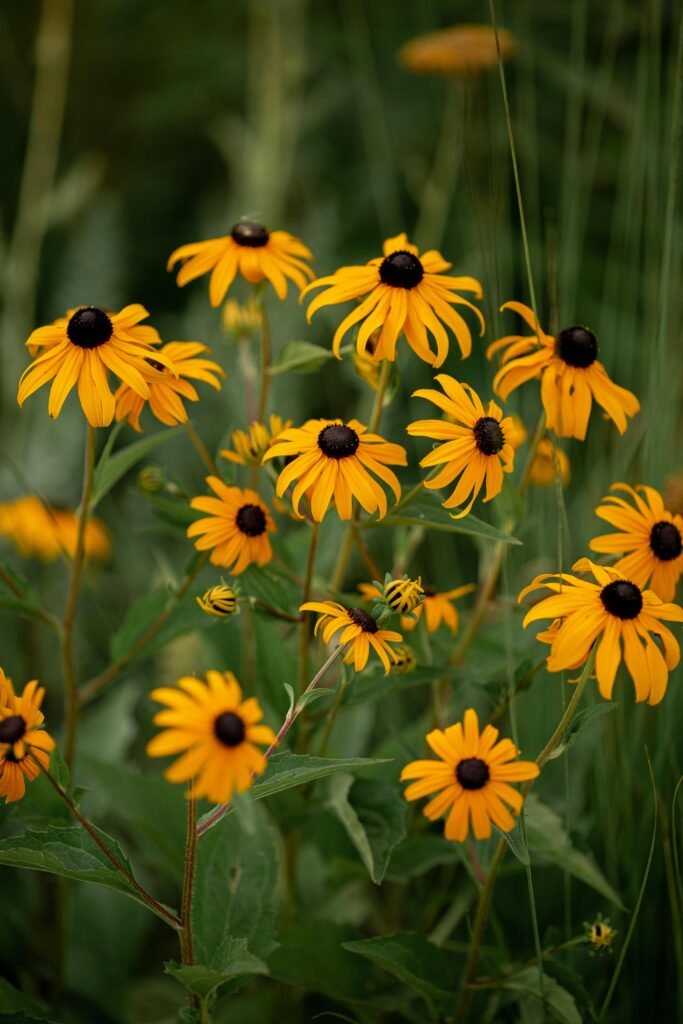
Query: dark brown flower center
{"x":156,"y":365}
{"x":577,"y":346}
{"x":229,"y":729}
{"x":488,"y":435}
{"x":428,"y":591}
{"x":250,"y":233}
{"x":665,"y":541}
{"x":251,"y":519}
{"x":401,"y":270}
{"x":12,"y":729}
{"x":622,"y":599}
{"x":89,"y":327}
{"x":338,"y":441}
{"x":362,"y":619}
{"x":472,"y":773}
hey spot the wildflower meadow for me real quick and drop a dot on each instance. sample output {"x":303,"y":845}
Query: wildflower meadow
{"x":341,"y":512}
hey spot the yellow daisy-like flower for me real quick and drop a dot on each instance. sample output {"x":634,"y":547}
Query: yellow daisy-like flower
{"x":612,"y":612}
{"x":549,"y":461}
{"x":408,"y":294}
{"x":476,"y":449}
{"x":24,"y":746}
{"x":599,"y":934}
{"x":81,"y":348}
{"x":337,"y":460}
{"x":459,"y":51}
{"x":437,"y":607}
{"x":167,"y":389}
{"x":651,"y":539}
{"x":571,"y":375}
{"x":216,"y":730}
{"x":242,"y":318}
{"x":220,"y":601}
{"x":250,"y":250}
{"x":405,"y":660}
{"x":358,"y":629}
{"x":236,"y":531}
{"x":39,"y":531}
{"x":403,"y":595}
{"x":471,"y":780}
{"x":249,"y":446}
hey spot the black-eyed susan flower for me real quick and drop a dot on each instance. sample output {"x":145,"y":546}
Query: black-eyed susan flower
{"x":459,"y":51}
{"x":405,"y":660}
{"x":220,"y":601}
{"x":358,"y":629}
{"x":166,"y":389}
{"x":81,"y":348}
{"x":613,"y":612}
{"x":405,"y":293}
{"x":337,"y":460}
{"x":548,"y":463}
{"x":476,"y":446}
{"x":242,"y":318}
{"x":250,"y":250}
{"x":249,"y":446}
{"x":650,"y":538}
{"x":48,"y":533}
{"x":571,"y":375}
{"x":471,"y":779}
{"x":436,"y":606}
{"x":217,"y":733}
{"x":403,"y":595}
{"x":24,"y":746}
{"x":599,"y":934}
{"x":236,"y":530}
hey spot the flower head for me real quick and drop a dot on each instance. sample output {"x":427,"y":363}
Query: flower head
{"x":571,"y":375}
{"x":236,"y":530}
{"x":650,"y":538}
{"x":460,"y":51}
{"x":548,"y":463}
{"x":242,"y":318}
{"x":476,"y":449}
{"x":81,"y":348}
{"x":249,"y":446}
{"x":166,"y":389}
{"x":24,"y":746}
{"x":217,"y":733}
{"x":403,"y":292}
{"x":611,"y":612}
{"x":41,"y":531}
{"x":599,"y":934}
{"x":405,"y":660}
{"x":358,"y":629}
{"x":403,"y":595}
{"x":471,"y":778}
{"x":250,"y":250}
{"x":337,"y":460}
{"x":220,"y":601}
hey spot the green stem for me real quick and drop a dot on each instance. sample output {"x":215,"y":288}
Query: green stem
{"x":304,"y":630}
{"x":332,"y":717}
{"x":68,"y":667}
{"x":201,"y":448}
{"x":266,"y":354}
{"x":186,"y":943}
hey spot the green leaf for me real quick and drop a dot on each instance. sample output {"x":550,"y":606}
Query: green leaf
{"x":419,"y":854}
{"x":559,"y":1004}
{"x":287,"y":770}
{"x":579,"y":722}
{"x":140,"y":615}
{"x":172,"y":510}
{"x":546,"y":836}
{"x":426,"y":510}
{"x":373,"y":814}
{"x":70,"y":853}
{"x":310,"y":955}
{"x":412,"y":959}
{"x":17,"y":594}
{"x":271,"y":589}
{"x":111,"y":467}
{"x":231,"y":960}
{"x":517,"y":843}
{"x":13,"y":1001}
{"x":301,"y":357}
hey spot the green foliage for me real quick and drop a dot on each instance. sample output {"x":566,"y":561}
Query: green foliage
{"x":413,"y":960}
{"x":426,"y":510}
{"x":558,"y":1004}
{"x":300,"y":357}
{"x":230,"y":961}
{"x":373,"y":814}
{"x":113,"y":465}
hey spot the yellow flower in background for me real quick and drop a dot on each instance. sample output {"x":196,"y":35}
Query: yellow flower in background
{"x":517,"y":432}
{"x":549,"y":461}
{"x":24,"y":746}
{"x":470,"y":779}
{"x":216,"y":732}
{"x":437,"y":608}
{"x":167,"y":389}
{"x":599,"y":934}
{"x":650,"y":538}
{"x":81,"y":349}
{"x":220,"y":601}
{"x":358,"y":629}
{"x":673,"y":493}
{"x":242,"y":318}
{"x":249,"y":446}
{"x":571,"y":375}
{"x":250,"y":250}
{"x":405,"y":660}
{"x":236,"y":530}
{"x":39,"y":531}
{"x":611,"y":612}
{"x":461,"y":50}
{"x":405,"y":293}
{"x":366,"y":365}
{"x":476,"y":446}
{"x":337,"y":460}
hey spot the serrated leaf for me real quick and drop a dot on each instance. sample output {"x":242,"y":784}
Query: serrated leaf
{"x":301,"y":357}
{"x":412,"y":959}
{"x":231,"y":960}
{"x":112,"y":466}
{"x":558,"y":1003}
{"x":373,"y":814}
{"x":579,"y":722}
{"x":426,"y":510}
